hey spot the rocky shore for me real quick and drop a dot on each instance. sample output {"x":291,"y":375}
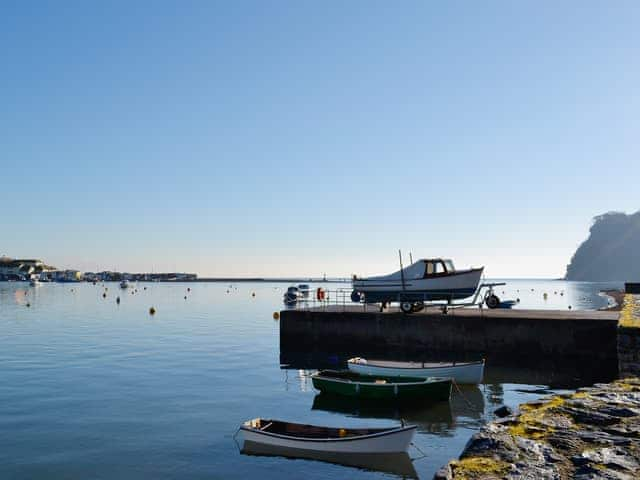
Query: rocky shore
{"x":593,"y":433}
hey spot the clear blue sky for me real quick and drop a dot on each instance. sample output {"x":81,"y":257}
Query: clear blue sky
{"x":285,"y":138}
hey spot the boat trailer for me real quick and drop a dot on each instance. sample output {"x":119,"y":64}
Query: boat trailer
{"x":484,"y":295}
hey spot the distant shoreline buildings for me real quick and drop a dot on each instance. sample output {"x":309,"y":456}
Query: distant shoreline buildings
{"x":33,"y":269}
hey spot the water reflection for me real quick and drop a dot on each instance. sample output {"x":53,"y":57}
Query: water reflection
{"x":398,"y":464}
{"x":432,"y":417}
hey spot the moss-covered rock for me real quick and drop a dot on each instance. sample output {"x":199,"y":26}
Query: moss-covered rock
{"x":591,"y":433}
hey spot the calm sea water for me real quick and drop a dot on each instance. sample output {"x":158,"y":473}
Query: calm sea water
{"x":92,"y":389}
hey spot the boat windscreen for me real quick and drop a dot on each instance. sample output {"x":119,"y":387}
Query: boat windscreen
{"x":449,"y":265}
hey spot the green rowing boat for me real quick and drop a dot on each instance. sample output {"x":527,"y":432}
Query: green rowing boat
{"x":381,"y":388}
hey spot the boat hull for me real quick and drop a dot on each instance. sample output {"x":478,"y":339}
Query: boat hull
{"x":464,"y":373}
{"x":453,"y":286}
{"x":391,"y":441}
{"x":438,"y":390}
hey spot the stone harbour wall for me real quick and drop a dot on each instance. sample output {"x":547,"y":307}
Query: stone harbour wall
{"x":629,"y":337}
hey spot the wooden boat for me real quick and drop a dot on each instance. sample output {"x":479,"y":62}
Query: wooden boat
{"x":381,"y":387}
{"x":461,"y":372}
{"x":296,"y":436}
{"x":398,"y":464}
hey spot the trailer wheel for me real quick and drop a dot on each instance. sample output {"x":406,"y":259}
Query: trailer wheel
{"x":406,"y":307}
{"x":492,"y":301}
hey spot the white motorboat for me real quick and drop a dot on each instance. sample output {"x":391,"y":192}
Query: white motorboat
{"x":124,"y":284}
{"x":424,"y":280}
{"x":461,"y":372}
{"x":327,"y":439}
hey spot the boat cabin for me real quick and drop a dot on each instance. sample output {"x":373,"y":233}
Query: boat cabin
{"x":437,"y":266}
{"x":429,"y":268}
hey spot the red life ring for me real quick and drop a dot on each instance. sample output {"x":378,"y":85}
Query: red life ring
{"x":320,"y":293}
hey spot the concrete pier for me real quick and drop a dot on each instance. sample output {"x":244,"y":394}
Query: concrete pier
{"x":514,"y":336}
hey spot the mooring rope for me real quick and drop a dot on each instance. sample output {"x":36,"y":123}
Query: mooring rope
{"x":420,"y":450}
{"x":469,"y":404}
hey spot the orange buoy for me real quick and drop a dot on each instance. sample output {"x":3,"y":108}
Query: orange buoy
{"x":276,"y":316}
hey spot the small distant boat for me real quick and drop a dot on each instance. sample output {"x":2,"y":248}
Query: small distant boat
{"x":292,"y":295}
{"x":304,"y":290}
{"x":124,"y":284}
{"x":375,"y":387}
{"x":34,"y":282}
{"x":278,"y":433}
{"x":461,"y":372}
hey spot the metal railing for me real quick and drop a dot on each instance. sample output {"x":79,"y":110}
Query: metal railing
{"x":340,"y":300}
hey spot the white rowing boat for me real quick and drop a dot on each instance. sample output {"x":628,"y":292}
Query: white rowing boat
{"x":461,"y":372}
{"x":327,"y":439}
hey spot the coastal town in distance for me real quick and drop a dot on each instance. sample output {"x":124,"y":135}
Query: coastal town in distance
{"x":34,"y":270}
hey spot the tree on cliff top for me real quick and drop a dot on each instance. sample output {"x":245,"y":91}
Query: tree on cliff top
{"x":611,"y":252}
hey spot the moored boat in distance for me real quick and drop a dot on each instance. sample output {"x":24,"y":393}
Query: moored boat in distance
{"x":382,"y":388}
{"x":124,"y":284}
{"x":292,"y":295}
{"x":424,"y":280}
{"x":462,"y":372}
{"x":296,"y":436}
{"x":304,"y":290}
